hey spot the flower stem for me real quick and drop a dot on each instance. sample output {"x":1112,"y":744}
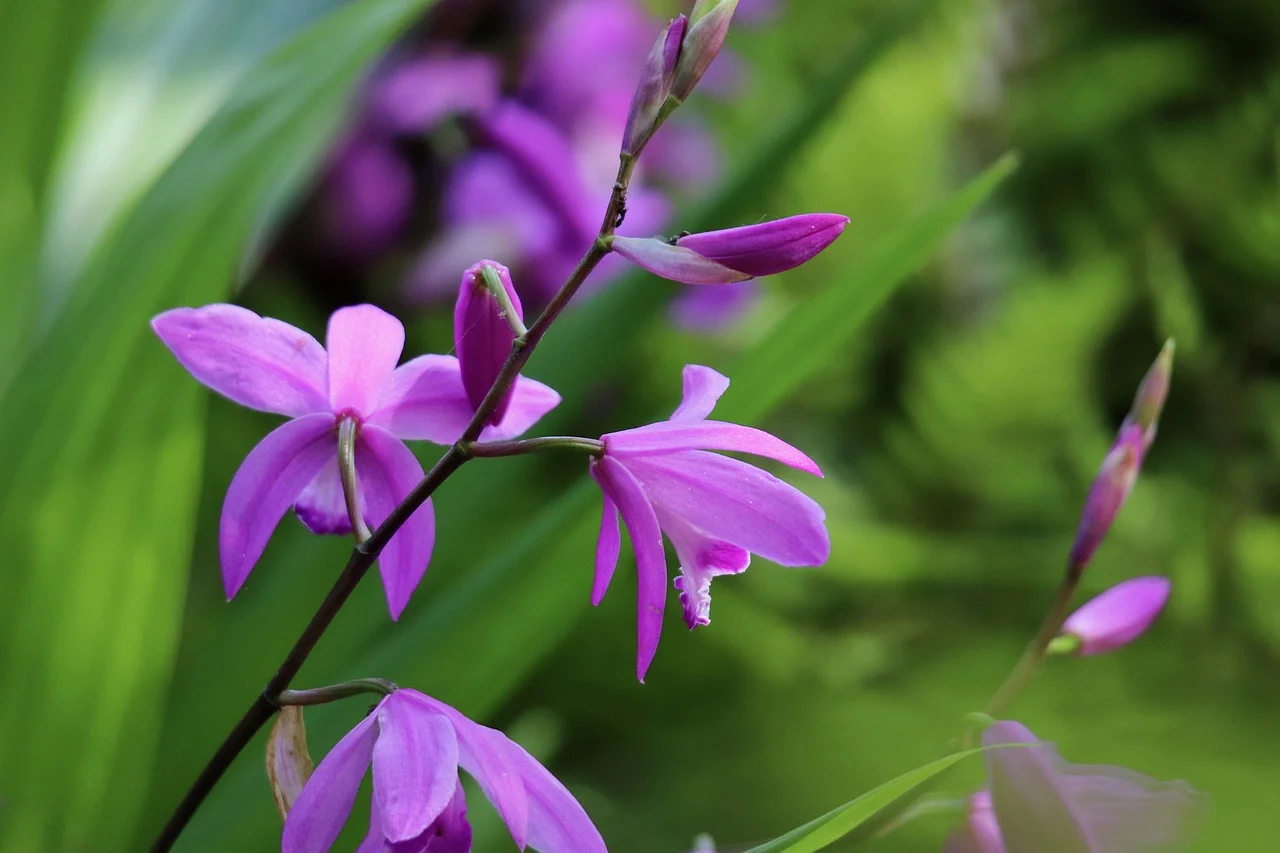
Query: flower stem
{"x":347,"y":470}
{"x":335,"y":692}
{"x":533,"y":445}
{"x":367,"y":551}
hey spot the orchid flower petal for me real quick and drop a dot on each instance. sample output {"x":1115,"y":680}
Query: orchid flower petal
{"x":1128,"y":812}
{"x":322,"y":506}
{"x":425,"y":401}
{"x":255,"y":361}
{"x":768,"y":247}
{"x":322,"y":808}
{"x":415,"y":767}
{"x":608,"y":545}
{"x":666,"y":436}
{"x":529,"y":401}
{"x":374,"y":841}
{"x":622,"y":487}
{"x":266,"y":485}
{"x":702,"y":558}
{"x":388,"y":471}
{"x":364,"y":344}
{"x":485,"y":753}
{"x":673,"y":262}
{"x":703,"y":388}
{"x":736,"y":502}
{"x":1118,"y":616}
{"x":557,"y":823}
{"x":1031,"y":805}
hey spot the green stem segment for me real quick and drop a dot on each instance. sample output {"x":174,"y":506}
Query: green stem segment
{"x":347,"y":430}
{"x":534,"y":445}
{"x":366,"y":552}
{"x":335,"y":692}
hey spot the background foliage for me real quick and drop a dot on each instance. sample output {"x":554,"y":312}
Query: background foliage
{"x":148,"y":145}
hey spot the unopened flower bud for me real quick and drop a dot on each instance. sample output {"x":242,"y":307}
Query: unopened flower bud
{"x":1110,"y":490}
{"x":1149,"y":401}
{"x":1118,"y":616}
{"x":483,"y":330}
{"x":288,"y":761}
{"x":735,"y":254}
{"x":708,"y":25}
{"x":654,"y":87}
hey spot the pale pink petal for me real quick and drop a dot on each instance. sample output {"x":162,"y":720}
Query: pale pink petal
{"x":703,"y":388}
{"x":557,"y":823}
{"x":1128,"y":812}
{"x":673,"y":262}
{"x":485,"y":753}
{"x":738,"y":503}
{"x":621,"y":487}
{"x":702,"y":558}
{"x":322,"y":506}
{"x":667,"y":436}
{"x":266,"y":485}
{"x":256,"y":361}
{"x":530,"y":400}
{"x":388,"y":471}
{"x":608,"y":545}
{"x":1028,"y":796}
{"x":322,"y":808}
{"x":415,"y":767}
{"x":425,"y":401}
{"x":364,"y":344}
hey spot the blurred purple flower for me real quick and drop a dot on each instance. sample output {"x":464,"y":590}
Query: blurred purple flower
{"x":735,"y":254}
{"x":418,"y":92}
{"x":273,"y":367}
{"x":1118,"y":616}
{"x":716,"y":510}
{"x":416,"y":746}
{"x":482,"y":336}
{"x":701,"y":309}
{"x":1039,"y":803}
{"x":367,"y":198}
{"x":1110,"y":490}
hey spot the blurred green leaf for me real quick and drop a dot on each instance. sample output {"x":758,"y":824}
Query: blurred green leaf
{"x":857,"y":819}
{"x":105,"y":456}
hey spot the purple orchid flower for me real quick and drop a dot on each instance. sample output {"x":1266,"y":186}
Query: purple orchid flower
{"x":367,"y":199}
{"x":1118,"y":616}
{"x":416,"y":745}
{"x":418,"y":92}
{"x":716,"y":510}
{"x":735,"y":254}
{"x":273,"y":367}
{"x":1038,"y":803}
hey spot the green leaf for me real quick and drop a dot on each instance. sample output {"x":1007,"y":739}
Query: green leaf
{"x":859,"y":819}
{"x":104,"y":458}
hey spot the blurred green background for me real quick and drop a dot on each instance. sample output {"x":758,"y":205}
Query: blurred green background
{"x":959,"y":385}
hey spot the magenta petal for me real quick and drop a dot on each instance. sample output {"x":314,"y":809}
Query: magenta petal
{"x":322,"y":506}
{"x":388,"y":471}
{"x":486,"y":754}
{"x":425,"y":401}
{"x":667,"y":436}
{"x":702,"y":558}
{"x":737,"y":502}
{"x":557,"y":823}
{"x":530,"y":400}
{"x":676,"y":263}
{"x":256,"y":361}
{"x":608,"y":544}
{"x":769,"y":247}
{"x":415,"y":767}
{"x":482,"y":336}
{"x":703,"y":388}
{"x":266,"y":485}
{"x":364,"y":344}
{"x":1118,"y":616}
{"x":621,"y":487}
{"x":322,"y":808}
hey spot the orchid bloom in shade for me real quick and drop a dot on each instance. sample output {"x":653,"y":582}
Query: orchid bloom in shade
{"x":1038,"y":803}
{"x":735,"y":254}
{"x":1118,"y":616}
{"x":716,"y":510}
{"x":416,"y":745}
{"x":273,"y":367}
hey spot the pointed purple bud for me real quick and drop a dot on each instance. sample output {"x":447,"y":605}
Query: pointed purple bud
{"x":735,"y":254}
{"x":1118,"y":616}
{"x":483,"y":332}
{"x":1110,"y":490}
{"x":1149,"y":401}
{"x":708,"y":26}
{"x":655,"y":84}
